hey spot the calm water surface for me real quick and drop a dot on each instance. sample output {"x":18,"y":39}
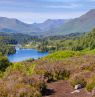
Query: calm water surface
{"x":24,"y":54}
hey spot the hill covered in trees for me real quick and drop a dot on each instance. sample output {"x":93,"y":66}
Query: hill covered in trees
{"x":87,"y":41}
{"x":73,"y":41}
{"x":7,"y":45}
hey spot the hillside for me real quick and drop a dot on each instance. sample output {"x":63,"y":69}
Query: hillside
{"x":75,"y":42}
{"x":54,"y":75}
{"x":48,"y":76}
{"x":14,"y":25}
{"x":7,"y":45}
{"x":84,"y":23}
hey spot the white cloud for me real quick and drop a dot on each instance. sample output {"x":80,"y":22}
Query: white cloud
{"x":65,"y":6}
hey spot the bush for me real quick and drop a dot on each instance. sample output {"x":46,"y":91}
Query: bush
{"x":90,"y":86}
{"x":22,"y":68}
{"x":18,"y":84}
{"x":78,"y":80}
{"x":57,"y":74}
{"x":18,"y":90}
{"x":29,"y":60}
{"x":4,"y":63}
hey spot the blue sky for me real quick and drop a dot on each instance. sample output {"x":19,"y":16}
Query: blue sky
{"x":31,"y":11}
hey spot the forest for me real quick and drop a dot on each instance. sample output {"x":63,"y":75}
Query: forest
{"x":7,"y":45}
{"x":8,"y":41}
{"x":75,"y":42}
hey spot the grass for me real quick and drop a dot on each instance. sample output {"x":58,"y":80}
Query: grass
{"x":31,"y":69}
{"x":91,"y":85}
{"x":89,"y":52}
{"x":32,"y":75}
{"x":78,"y":80}
{"x":27,"y":70}
{"x":60,"y":55}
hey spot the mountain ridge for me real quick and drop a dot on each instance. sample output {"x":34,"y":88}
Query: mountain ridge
{"x":15,"y":25}
{"x":84,"y":23}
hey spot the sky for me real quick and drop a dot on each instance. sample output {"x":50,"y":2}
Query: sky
{"x":35,"y":11}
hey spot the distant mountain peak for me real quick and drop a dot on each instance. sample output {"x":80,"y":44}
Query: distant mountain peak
{"x":91,"y":12}
{"x":84,"y":23}
{"x":90,"y":15}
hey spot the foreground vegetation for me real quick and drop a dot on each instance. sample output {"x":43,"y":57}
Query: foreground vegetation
{"x":30,"y":78}
{"x":73,"y":59}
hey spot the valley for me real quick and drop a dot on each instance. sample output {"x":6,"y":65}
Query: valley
{"x":55,"y":58}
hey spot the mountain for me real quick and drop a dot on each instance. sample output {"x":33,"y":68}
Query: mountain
{"x":14,"y":25}
{"x":84,"y":23}
{"x":50,"y":24}
{"x":50,"y":27}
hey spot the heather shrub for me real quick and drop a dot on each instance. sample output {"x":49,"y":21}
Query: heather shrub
{"x":24,"y":90}
{"x":56,"y":74}
{"x":39,"y":83}
{"x":18,"y":90}
{"x":18,"y":84}
{"x":19,"y":80}
{"x":91,"y":85}
{"x":28,"y":70}
{"x":78,"y":80}
{"x":3,"y":90}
